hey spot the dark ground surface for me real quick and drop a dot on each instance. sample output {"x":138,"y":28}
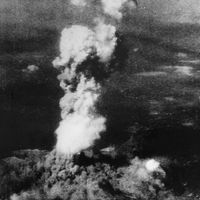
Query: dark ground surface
{"x":155,"y":93}
{"x":151,"y":103}
{"x":38,"y":175}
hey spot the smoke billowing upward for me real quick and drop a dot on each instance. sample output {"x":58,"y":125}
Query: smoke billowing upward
{"x":81,"y":123}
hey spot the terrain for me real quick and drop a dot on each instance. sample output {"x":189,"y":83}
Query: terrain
{"x":151,"y":103}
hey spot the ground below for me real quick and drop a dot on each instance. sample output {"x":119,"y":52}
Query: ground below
{"x":152,"y":107}
{"x":35,"y":174}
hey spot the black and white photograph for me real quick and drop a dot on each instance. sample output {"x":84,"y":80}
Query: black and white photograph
{"x":99,"y":99}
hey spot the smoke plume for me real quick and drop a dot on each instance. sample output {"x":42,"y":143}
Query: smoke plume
{"x":81,"y":124}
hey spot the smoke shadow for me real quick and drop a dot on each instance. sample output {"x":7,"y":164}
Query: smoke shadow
{"x":43,"y":40}
{"x":87,"y":158}
{"x":101,"y":71}
{"x":121,"y":115}
{"x":29,"y":107}
{"x":171,"y":141}
{"x":141,"y":118}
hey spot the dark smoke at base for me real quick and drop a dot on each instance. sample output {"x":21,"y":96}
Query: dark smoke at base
{"x":55,"y":177}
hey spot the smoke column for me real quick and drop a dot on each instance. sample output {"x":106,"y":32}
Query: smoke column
{"x":80,"y":122}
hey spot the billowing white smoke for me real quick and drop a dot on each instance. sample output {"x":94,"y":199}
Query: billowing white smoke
{"x":106,"y":41}
{"x":152,"y":165}
{"x":81,"y":125}
{"x":114,"y":7}
{"x":79,"y":42}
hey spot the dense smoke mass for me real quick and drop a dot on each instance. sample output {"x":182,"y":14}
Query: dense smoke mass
{"x":104,"y":94}
{"x":56,"y":177}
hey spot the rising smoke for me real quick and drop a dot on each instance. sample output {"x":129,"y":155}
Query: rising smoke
{"x":81,"y":124}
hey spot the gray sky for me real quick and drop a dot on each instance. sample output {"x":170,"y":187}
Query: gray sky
{"x":23,"y":18}
{"x":39,"y":11}
{"x":180,"y":11}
